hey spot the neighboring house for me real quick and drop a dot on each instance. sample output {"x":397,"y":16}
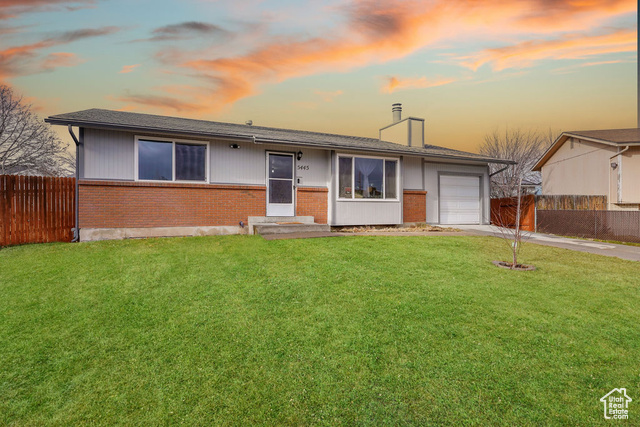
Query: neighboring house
{"x":597,"y":162}
{"x":145,"y":175}
{"x":531,"y":187}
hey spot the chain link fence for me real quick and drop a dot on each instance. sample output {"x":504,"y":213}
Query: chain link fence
{"x":622,"y":226}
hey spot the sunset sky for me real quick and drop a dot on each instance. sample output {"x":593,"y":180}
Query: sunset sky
{"x":467,"y":66}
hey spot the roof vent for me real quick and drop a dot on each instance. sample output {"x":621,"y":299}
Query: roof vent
{"x":396,"y":109}
{"x":248,"y":122}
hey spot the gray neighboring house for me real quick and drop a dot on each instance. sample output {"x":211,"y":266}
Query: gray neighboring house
{"x":148,"y":175}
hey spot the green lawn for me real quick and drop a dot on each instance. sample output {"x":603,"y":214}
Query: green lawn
{"x":346,"y":330}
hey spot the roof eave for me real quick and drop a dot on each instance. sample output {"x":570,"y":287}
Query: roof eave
{"x":566,"y":135}
{"x":84,"y":123}
{"x":601,"y":141}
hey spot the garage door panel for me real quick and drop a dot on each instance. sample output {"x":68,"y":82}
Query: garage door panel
{"x":469,"y":205}
{"x":459,"y":199}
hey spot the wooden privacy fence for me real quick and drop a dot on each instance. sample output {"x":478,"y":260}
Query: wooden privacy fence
{"x":571,"y":202}
{"x":36,"y":209}
{"x":503,"y":212}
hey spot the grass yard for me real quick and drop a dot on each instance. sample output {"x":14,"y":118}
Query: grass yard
{"x":346,"y":330}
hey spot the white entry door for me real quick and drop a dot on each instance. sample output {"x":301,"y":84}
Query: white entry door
{"x":280,"y":194}
{"x":459,"y":199}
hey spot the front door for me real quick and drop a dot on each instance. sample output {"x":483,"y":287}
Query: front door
{"x":280,"y":194}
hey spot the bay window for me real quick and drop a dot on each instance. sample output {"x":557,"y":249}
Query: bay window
{"x":367,"y":178}
{"x":171,"y":160}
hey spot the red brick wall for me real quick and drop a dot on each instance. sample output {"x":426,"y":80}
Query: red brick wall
{"x":312,"y":201}
{"x":414,"y":206}
{"x":109,"y":204}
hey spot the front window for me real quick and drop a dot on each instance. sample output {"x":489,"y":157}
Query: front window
{"x":191,"y":162}
{"x":367,"y":178}
{"x":345,"y":177}
{"x":171,"y":161}
{"x":155,"y":160}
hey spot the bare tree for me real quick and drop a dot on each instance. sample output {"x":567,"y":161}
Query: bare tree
{"x":29,"y":146}
{"x":507,"y":220}
{"x":523,"y":147}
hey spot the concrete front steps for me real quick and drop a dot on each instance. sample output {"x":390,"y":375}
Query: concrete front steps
{"x":285,"y":225}
{"x":265,"y":229}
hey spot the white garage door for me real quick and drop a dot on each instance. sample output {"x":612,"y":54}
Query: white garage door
{"x":459,"y":199}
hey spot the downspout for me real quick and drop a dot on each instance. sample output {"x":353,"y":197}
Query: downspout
{"x":618,"y":186}
{"x":76,"y":230}
{"x":498,"y":171}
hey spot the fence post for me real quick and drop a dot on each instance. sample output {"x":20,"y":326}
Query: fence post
{"x":595,"y":224}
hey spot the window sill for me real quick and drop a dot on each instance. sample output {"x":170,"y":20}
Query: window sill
{"x":369,"y":200}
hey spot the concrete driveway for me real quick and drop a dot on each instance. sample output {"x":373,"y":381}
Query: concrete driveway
{"x":608,"y":249}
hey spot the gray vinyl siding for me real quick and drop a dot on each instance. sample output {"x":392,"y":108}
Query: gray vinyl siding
{"x":108,"y":154}
{"x":247,"y":164}
{"x":431,"y":171}
{"x":412,"y":173}
{"x":368,"y":212}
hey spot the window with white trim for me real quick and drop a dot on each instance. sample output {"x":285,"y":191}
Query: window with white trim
{"x":169,"y":160}
{"x":367,"y":178}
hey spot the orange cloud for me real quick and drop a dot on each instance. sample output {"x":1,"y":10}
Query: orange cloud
{"x":128,"y":68}
{"x":376,"y":32}
{"x":394,"y":83}
{"x":574,"y":46}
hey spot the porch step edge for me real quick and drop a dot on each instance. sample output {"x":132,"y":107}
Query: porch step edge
{"x":265,"y":229}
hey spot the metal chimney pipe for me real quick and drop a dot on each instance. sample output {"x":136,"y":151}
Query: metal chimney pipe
{"x":396,"y":109}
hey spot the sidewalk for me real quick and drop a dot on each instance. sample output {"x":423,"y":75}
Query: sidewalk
{"x":608,"y":249}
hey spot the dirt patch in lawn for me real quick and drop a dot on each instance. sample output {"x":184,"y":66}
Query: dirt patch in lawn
{"x":509,"y":266}
{"x":419,"y":228}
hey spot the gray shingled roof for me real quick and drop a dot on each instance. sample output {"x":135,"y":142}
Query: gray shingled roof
{"x":202,"y":128}
{"x":617,"y":136}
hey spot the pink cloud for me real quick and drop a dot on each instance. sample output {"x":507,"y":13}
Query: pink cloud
{"x":128,"y":68}
{"x":174,"y":98}
{"x":60,"y":59}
